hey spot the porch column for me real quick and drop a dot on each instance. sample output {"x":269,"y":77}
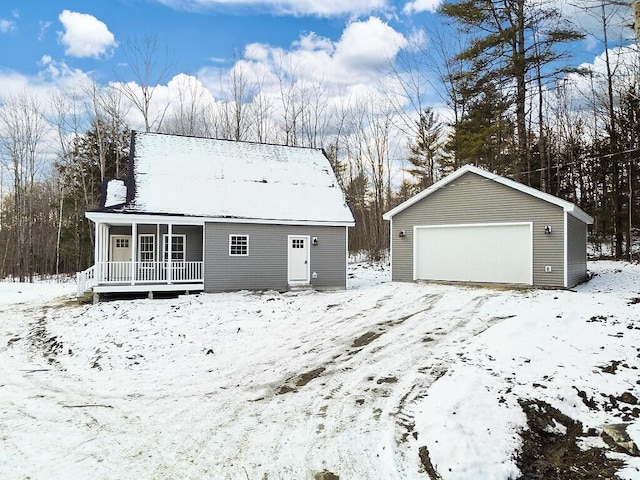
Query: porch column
{"x":157,"y":254}
{"x":134,"y":250}
{"x":169,"y":248}
{"x":97,"y":249}
{"x":104,"y":256}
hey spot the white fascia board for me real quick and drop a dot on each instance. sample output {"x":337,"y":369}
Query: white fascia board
{"x":416,"y":198}
{"x":565,"y":248}
{"x":128,"y":218}
{"x":566,"y":206}
{"x":580,"y":215}
{"x":264,"y":221}
{"x":391,"y":245}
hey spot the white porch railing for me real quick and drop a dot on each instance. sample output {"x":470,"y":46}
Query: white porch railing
{"x":136,"y":273}
{"x":85,"y":280}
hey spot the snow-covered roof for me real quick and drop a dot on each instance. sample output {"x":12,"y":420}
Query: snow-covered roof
{"x":568,"y":207}
{"x":205,"y":177}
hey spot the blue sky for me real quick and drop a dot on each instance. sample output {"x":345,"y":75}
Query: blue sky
{"x":331,"y":53}
{"x":197,"y":33}
{"x":344,"y":44}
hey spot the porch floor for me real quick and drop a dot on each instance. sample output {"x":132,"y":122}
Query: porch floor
{"x":148,"y":287}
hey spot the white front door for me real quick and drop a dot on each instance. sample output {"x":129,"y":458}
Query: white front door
{"x":298,"y":259}
{"x":120,"y":268}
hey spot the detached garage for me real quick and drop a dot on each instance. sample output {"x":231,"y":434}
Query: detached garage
{"x":477,"y":227}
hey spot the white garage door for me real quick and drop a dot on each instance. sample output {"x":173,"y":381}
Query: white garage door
{"x":495,"y":253}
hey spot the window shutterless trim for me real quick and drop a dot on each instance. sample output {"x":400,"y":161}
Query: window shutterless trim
{"x":238,"y":245}
{"x":165,"y":249}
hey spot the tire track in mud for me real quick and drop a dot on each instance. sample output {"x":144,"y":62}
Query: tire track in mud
{"x":324,"y":407}
{"x":366,"y":399}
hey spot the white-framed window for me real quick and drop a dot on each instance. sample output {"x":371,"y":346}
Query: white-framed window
{"x":239,"y":245}
{"x":122,"y":242}
{"x":178,"y":248}
{"x":146,"y":248}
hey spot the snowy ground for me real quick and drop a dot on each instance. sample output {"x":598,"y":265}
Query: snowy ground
{"x":288,"y":385}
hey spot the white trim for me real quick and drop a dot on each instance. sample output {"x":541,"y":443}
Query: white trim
{"x":467,"y":225}
{"x":414,"y":247}
{"x":134,"y":248}
{"x":153,"y":236}
{"x":169,"y":250}
{"x":238,"y":254}
{"x":117,"y":218}
{"x":204,"y":258}
{"x":308,"y":248}
{"x":346,"y":263}
{"x":97,"y":240}
{"x":566,"y":206}
{"x":566,"y":252}
{"x":391,"y":246}
{"x":177,"y":287}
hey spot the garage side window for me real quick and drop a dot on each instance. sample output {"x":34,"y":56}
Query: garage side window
{"x":239,"y":245}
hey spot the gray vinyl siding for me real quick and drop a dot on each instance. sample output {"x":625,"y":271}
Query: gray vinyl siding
{"x":266,"y":266}
{"x":576,"y":251}
{"x":193,"y":234}
{"x":474,"y":199}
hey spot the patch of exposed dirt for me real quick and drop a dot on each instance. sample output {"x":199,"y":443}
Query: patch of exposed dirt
{"x":550,"y":451}
{"x":365,"y":339}
{"x":326,"y":475}
{"x":300,"y":381}
{"x":40,"y":338}
{"x":425,"y":460}
{"x":308,"y":376}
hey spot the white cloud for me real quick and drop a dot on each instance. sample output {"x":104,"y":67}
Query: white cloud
{"x":84,"y":35}
{"x":367,"y":46}
{"x":362,"y":52}
{"x":53,"y":76}
{"x":322,"y":8}
{"x":418,"y":6}
{"x":44,"y":28}
{"x":6,"y":25}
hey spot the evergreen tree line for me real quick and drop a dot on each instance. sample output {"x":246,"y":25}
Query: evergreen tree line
{"x":515,"y":109}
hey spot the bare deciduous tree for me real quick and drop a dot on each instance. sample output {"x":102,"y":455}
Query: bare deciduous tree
{"x":23,"y":130}
{"x":150,"y":67}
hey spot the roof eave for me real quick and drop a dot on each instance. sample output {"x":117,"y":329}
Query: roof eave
{"x":436,"y":186}
{"x":566,"y":206}
{"x":142,"y":217}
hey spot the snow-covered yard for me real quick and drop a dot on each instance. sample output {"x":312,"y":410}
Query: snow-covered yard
{"x":296,"y":385}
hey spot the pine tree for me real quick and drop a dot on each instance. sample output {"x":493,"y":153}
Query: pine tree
{"x":427,"y":150}
{"x":510,"y":41}
{"x":485,"y":135}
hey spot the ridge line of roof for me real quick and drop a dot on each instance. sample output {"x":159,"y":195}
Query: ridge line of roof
{"x":246,"y":142}
{"x":507,"y":182}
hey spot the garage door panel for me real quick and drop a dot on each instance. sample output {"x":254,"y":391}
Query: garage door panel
{"x":496,"y":253}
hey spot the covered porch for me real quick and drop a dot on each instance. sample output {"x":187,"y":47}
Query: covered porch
{"x":144,"y":253}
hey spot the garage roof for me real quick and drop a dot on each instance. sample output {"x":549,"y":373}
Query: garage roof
{"x":568,"y":207}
